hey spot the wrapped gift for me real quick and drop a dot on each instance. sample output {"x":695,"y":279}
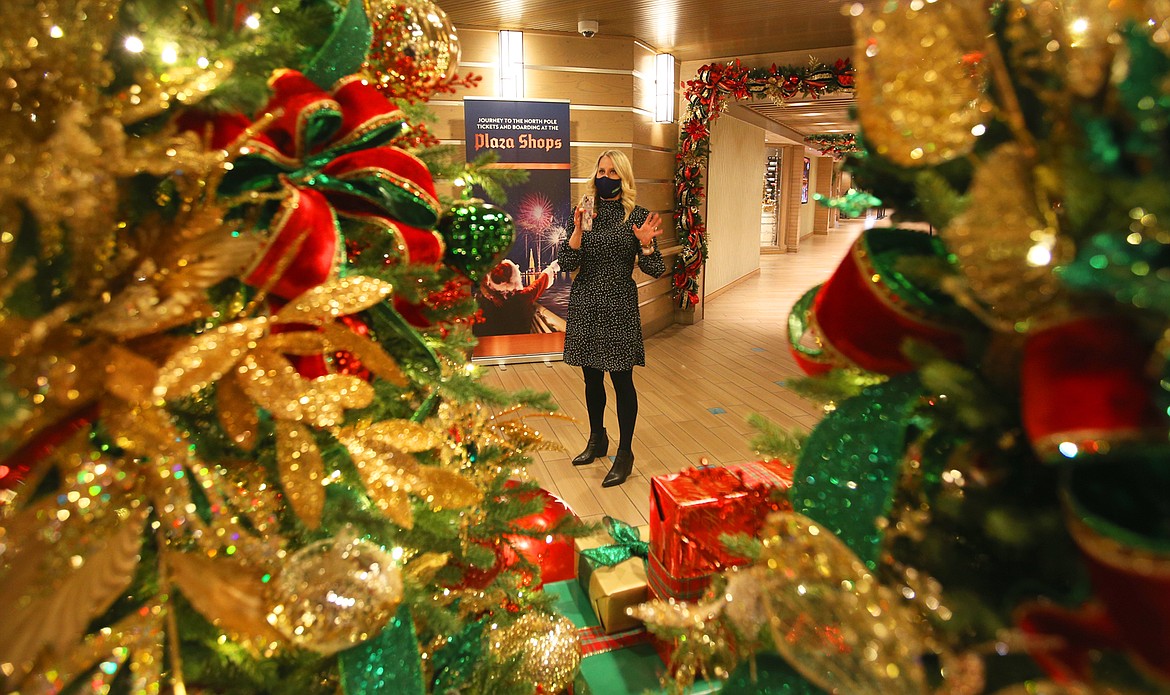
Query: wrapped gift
{"x":611,"y":569}
{"x":623,"y":663}
{"x":773,"y":474}
{"x":631,"y":671}
{"x":665,"y":585}
{"x":690,"y":510}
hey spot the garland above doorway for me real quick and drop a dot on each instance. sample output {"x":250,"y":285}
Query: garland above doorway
{"x":707,"y":96}
{"x":836,"y":145}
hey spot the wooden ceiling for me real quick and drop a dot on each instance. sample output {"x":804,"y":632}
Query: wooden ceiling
{"x":694,"y":30}
{"x":690,"y":29}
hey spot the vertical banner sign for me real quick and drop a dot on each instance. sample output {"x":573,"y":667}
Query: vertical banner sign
{"x":524,"y":299}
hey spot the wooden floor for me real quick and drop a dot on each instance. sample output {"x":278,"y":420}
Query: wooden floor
{"x":700,"y":385}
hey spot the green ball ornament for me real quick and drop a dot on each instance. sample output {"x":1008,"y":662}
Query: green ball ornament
{"x":478,"y":235}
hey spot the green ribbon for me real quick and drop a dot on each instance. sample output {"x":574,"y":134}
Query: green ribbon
{"x":388,"y":664}
{"x":627,"y":543}
{"x":346,"y":48}
{"x":850,"y":464}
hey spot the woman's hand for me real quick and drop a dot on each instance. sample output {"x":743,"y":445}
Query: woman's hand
{"x":575,"y":237}
{"x":651,"y":228}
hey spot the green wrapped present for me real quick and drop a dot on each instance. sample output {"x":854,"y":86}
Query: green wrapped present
{"x":613,"y":664}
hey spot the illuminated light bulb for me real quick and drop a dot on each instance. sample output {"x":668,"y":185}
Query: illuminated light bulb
{"x":170,"y":54}
{"x":56,"y":32}
{"x":133,"y":44}
{"x":1040,"y":255}
{"x":253,"y":21}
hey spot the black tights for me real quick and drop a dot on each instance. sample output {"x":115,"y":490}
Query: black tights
{"x":627,"y":402}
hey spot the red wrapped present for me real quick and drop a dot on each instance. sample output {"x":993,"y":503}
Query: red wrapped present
{"x":770,"y":475}
{"x":690,"y":510}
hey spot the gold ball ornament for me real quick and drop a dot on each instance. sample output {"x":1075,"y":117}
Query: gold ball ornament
{"x":335,"y":593}
{"x":547,"y":648}
{"x":920,"y":79}
{"x":831,"y":618}
{"x":414,"y":47}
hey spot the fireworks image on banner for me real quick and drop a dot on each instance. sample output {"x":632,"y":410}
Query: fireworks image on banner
{"x":550,"y":240}
{"x":536,"y":213}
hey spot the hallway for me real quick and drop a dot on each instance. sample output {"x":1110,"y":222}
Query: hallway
{"x":699,"y":387}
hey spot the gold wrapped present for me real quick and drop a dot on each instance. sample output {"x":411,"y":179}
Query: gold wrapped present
{"x":611,"y":568}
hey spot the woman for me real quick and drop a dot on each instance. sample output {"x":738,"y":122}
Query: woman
{"x":604,"y":329}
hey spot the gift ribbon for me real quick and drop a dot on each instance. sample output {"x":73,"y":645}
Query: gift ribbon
{"x":595,"y":640}
{"x":627,"y":543}
{"x":665,"y":585}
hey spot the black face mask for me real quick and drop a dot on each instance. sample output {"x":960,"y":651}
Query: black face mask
{"x":607,"y":187}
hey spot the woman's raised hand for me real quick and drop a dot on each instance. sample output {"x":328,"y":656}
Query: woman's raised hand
{"x":651,"y":228}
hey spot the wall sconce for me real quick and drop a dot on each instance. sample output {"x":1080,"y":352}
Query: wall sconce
{"x":664,"y":88}
{"x":512,"y":64}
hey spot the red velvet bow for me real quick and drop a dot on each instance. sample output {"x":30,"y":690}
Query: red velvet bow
{"x":326,"y":153}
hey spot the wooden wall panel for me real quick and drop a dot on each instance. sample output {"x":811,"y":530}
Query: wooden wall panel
{"x":644,"y":93}
{"x":477,"y":46}
{"x":657,"y":314}
{"x":654,"y":164}
{"x":654,"y":288}
{"x":597,"y":53}
{"x":596,"y":125}
{"x":656,"y":196}
{"x":602,"y":89}
{"x":658,"y":135}
{"x":585,"y":159}
{"x":449,"y":123}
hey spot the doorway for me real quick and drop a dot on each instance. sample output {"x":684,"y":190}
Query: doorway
{"x":770,"y":201}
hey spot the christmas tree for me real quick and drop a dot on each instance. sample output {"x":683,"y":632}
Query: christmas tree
{"x":983,"y":507}
{"x":242,"y":448}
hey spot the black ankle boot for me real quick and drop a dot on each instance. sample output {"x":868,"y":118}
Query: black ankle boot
{"x":596,"y":447}
{"x":623,"y":465}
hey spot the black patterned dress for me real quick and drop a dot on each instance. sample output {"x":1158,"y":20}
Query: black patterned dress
{"x":604,"y":327}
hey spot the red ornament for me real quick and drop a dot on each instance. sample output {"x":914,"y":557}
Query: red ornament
{"x":552,"y":554}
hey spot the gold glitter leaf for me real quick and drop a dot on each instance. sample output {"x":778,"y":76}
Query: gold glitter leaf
{"x":296,"y":343}
{"x":337,"y":297}
{"x":521,"y":436}
{"x":53,"y":586}
{"x":146,"y":659}
{"x":372,"y":356}
{"x":405,"y":435}
{"x":236,"y":412}
{"x":448,"y":489}
{"x":302,"y":471}
{"x":422,"y":569}
{"x":920,"y":79}
{"x":1004,"y":247}
{"x":177,"y":85}
{"x":329,"y":396}
{"x":207,"y":358}
{"x":272,"y":382}
{"x":388,"y":474}
{"x":229,"y":593}
{"x":130,"y":376}
{"x":140,"y":310}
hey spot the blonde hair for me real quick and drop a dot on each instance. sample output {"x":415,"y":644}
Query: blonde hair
{"x":625,"y":171}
